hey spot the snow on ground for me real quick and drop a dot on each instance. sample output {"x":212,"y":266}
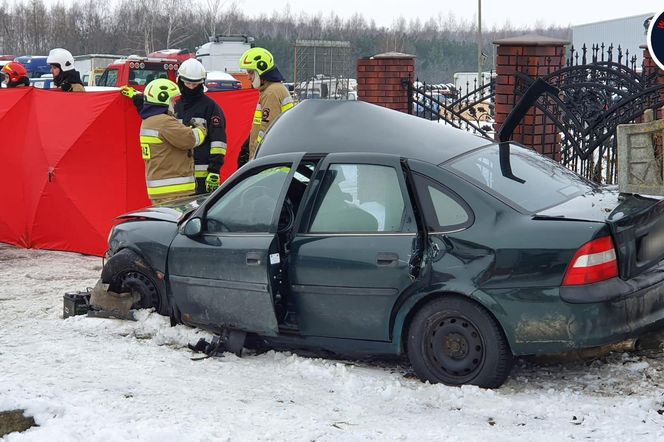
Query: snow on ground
{"x":89,"y":379}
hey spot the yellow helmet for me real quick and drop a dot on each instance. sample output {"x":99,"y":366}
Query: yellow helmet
{"x":161,"y":91}
{"x":257,"y":59}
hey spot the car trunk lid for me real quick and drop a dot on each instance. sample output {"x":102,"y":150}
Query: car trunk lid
{"x":636,"y":223}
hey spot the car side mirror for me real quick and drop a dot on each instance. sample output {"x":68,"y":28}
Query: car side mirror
{"x":192,"y":227}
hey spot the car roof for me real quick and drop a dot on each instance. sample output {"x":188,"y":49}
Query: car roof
{"x":219,"y":75}
{"x":331,"y":126}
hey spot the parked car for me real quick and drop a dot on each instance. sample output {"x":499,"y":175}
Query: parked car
{"x":221,"y":81}
{"x":43,"y":82}
{"x":35,"y":65}
{"x":359,"y":230}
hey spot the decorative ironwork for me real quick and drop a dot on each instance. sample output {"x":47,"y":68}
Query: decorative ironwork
{"x":472,"y":110}
{"x":597,"y":90}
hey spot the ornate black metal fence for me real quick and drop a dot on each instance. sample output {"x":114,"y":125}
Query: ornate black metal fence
{"x":599,"y":89}
{"x":472,"y":110}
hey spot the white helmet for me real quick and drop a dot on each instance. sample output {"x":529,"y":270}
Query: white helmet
{"x":62,"y":58}
{"x":192,"y":70}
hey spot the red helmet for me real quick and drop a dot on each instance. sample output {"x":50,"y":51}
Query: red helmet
{"x":16,"y":74}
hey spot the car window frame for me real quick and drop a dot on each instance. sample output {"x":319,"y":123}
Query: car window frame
{"x":428,"y":209}
{"x":251,"y":169}
{"x":105,"y":76}
{"x":376,"y":159}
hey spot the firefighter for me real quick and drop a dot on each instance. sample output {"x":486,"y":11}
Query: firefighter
{"x":65,"y":76}
{"x":14,"y":75}
{"x":274,"y":97}
{"x":209,"y":156}
{"x":167,"y":145}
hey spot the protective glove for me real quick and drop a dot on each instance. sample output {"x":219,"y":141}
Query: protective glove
{"x":128,"y":91}
{"x":212,"y":182}
{"x":198,"y":122}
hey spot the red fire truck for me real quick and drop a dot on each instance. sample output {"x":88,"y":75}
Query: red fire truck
{"x":138,"y":71}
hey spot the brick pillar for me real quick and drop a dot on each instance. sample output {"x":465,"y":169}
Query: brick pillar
{"x":379,"y":79}
{"x":535,"y":56}
{"x":649,"y":67}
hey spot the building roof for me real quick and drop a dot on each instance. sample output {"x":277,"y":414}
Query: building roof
{"x":337,"y":126}
{"x":530,"y":40}
{"x":644,"y":15}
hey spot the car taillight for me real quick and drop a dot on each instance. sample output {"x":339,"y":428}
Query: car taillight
{"x":593,"y":262}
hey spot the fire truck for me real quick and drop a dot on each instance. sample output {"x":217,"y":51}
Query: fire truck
{"x":138,"y":71}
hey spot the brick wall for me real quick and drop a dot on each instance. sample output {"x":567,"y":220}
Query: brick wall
{"x":535,"y":56}
{"x":649,"y":67}
{"x":380,"y":79}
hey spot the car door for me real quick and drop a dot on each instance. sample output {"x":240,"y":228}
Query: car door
{"x":221,"y":276}
{"x":354,"y":252}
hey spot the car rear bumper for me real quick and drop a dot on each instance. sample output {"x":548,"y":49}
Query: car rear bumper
{"x":541,"y":322}
{"x":613,"y":289}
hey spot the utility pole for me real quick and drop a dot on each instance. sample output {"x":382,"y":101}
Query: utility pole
{"x":479,"y":43}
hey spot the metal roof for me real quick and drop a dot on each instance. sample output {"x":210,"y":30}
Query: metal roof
{"x":329,"y":126}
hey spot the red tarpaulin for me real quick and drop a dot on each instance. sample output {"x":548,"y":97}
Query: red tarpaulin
{"x":72,"y":163}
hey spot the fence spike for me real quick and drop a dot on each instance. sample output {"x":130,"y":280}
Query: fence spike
{"x":584,"y":49}
{"x":595,"y":50}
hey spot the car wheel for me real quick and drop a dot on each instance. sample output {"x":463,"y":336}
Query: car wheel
{"x":127,"y":272}
{"x":455,"y":341}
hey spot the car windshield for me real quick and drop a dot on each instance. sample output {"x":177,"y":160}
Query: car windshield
{"x":526,"y":180}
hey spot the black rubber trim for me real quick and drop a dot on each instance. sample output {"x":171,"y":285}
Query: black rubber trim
{"x":338,"y":290}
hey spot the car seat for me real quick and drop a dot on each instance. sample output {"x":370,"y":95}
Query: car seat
{"x":337,"y":213}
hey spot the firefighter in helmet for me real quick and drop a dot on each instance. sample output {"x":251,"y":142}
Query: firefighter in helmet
{"x":65,"y":76}
{"x":194,"y":104}
{"x":13,"y":74}
{"x":274,"y":97}
{"x":167,"y":145}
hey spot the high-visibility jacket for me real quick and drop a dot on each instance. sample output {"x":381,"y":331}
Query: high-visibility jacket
{"x":274,"y":100}
{"x":209,"y":156}
{"x":167,"y":148}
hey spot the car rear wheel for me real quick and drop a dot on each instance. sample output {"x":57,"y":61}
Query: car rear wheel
{"x":127,"y":272}
{"x":455,"y":341}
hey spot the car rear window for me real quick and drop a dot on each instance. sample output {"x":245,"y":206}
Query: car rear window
{"x":528,"y":181}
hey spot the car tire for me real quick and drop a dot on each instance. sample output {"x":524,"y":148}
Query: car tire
{"x":456,"y":341}
{"x":126,"y":271}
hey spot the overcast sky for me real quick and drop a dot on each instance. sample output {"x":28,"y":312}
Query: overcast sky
{"x":518,"y":12}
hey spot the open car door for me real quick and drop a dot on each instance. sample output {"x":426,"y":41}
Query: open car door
{"x":221,"y":264}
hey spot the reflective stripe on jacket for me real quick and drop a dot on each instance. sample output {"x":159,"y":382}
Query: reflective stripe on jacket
{"x":167,"y":148}
{"x":273,"y":101}
{"x":209,"y":156}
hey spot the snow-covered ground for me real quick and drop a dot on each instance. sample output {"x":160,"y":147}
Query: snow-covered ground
{"x":87,"y":379}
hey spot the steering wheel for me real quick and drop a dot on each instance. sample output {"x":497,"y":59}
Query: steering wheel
{"x":286,"y":217}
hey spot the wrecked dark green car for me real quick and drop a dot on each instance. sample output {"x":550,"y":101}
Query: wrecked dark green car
{"x":363,"y":231}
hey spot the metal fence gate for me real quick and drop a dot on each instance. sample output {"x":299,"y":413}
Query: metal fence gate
{"x":598,"y":89}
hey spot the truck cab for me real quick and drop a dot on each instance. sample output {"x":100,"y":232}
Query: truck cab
{"x":137,"y":71}
{"x":222,"y":54}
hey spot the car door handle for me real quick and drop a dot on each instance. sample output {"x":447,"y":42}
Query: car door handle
{"x":254,"y":258}
{"x":387,"y":259}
